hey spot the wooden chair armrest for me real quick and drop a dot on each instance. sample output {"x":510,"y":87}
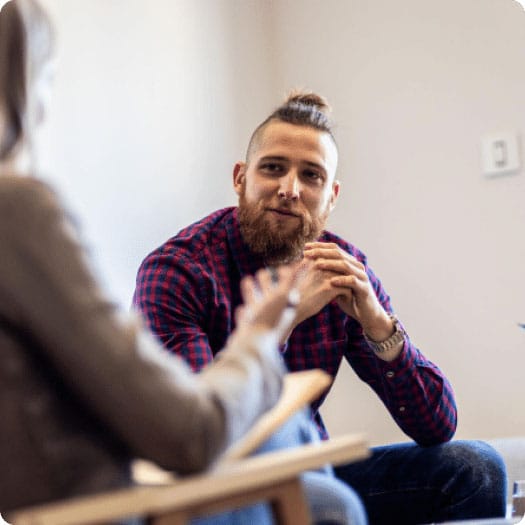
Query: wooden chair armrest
{"x":226,"y":480}
{"x":299,"y":389}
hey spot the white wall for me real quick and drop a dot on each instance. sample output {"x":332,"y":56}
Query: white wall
{"x":145,"y":121}
{"x":415,"y":84}
{"x":155,"y":100}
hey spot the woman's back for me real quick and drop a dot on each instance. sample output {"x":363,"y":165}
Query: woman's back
{"x":50,"y":444}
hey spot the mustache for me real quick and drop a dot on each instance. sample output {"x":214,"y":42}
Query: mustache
{"x":285,"y":210}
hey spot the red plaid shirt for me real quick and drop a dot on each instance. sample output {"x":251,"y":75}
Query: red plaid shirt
{"x":188,"y":290}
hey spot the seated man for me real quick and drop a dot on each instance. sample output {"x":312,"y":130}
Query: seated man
{"x":82,"y":391}
{"x":188,"y":290}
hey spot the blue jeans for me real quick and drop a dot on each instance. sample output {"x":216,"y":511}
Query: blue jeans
{"x":407,"y":484}
{"x":331,"y":502}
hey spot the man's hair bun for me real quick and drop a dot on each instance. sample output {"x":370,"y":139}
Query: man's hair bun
{"x":308,"y":98}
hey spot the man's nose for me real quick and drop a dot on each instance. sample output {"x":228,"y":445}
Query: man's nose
{"x":289,"y":186}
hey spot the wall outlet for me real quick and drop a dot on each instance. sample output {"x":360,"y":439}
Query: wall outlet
{"x":500,"y":154}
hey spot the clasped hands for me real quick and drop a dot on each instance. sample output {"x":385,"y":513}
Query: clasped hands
{"x":280,"y":299}
{"x":332,"y":274}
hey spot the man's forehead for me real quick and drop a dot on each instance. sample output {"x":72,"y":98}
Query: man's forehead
{"x":289,"y":134}
{"x":283,"y":137}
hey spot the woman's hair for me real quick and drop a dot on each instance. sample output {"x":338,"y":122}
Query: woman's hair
{"x":301,"y":108}
{"x":26,"y":44}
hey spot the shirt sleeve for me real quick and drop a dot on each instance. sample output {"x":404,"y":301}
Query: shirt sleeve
{"x":152,"y":401}
{"x":413,"y":389}
{"x":171,"y":293}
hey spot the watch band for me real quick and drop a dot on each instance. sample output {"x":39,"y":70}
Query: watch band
{"x":393,"y":340}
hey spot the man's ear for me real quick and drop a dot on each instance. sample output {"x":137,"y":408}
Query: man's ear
{"x":239,"y":173}
{"x":334,"y":194}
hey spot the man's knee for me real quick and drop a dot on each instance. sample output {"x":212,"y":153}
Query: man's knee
{"x":477,"y":478}
{"x":476,"y":461}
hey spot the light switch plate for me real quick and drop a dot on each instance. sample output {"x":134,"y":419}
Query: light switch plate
{"x":500,"y":153}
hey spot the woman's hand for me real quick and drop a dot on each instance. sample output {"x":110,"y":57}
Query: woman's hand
{"x":270,"y":300}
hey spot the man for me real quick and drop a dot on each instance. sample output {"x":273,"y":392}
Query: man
{"x":188,"y":290}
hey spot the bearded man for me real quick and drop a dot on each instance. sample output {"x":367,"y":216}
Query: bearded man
{"x":188,"y":290}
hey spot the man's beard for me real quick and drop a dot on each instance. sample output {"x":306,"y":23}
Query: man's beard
{"x":274,"y":245}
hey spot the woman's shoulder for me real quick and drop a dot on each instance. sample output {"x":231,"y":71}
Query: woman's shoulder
{"x":23,"y":187}
{"x":27,"y":203}
{"x":23,"y":193}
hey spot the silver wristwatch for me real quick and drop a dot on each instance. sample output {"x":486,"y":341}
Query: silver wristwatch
{"x":393,"y":340}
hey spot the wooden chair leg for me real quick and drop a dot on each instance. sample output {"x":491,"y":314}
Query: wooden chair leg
{"x":290,"y":506}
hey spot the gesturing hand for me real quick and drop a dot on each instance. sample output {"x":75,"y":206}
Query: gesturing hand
{"x":270,"y":300}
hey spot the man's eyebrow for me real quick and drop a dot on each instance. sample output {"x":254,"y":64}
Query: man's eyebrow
{"x":315,"y":165}
{"x":275,"y":158}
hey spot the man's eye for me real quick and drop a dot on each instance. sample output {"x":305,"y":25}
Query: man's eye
{"x":272,"y":167}
{"x":312,"y":175}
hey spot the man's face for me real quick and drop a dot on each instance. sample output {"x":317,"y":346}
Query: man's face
{"x":286,"y":190}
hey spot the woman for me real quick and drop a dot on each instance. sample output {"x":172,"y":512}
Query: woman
{"x":82,"y":392}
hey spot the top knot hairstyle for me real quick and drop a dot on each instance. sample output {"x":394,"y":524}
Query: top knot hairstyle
{"x":301,"y":108}
{"x":304,"y":109}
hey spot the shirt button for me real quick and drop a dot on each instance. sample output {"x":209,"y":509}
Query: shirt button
{"x":390,"y":374}
{"x":402,"y":409}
